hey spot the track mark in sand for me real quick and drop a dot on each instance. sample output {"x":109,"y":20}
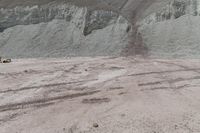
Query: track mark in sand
{"x":15,"y":115}
{"x":72,"y":68}
{"x":26,"y":104}
{"x":122,"y":93}
{"x":168,"y":88}
{"x":116,"y":68}
{"x":116,"y":88}
{"x":123,"y":5}
{"x":169,"y":81}
{"x":174,"y":64}
{"x":161,"y":72}
{"x":156,"y":88}
{"x":44,"y":104}
{"x":150,"y":83}
{"x":14,"y":74}
{"x":96,"y":100}
{"x":9,"y":117}
{"x":43,"y":86}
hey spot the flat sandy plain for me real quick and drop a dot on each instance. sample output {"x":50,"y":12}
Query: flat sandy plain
{"x":121,"y":95}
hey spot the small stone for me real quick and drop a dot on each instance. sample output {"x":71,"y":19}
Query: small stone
{"x":176,"y":126}
{"x":123,"y":115}
{"x":95,"y":125}
{"x":25,"y":71}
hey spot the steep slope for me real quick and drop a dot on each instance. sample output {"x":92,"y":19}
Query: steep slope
{"x":55,"y":30}
{"x":106,"y":27}
{"x":91,"y":27}
{"x":178,"y":38}
{"x":126,"y":7}
{"x":174,"y":31}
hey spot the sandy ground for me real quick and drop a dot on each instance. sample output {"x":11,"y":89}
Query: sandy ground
{"x":121,"y":95}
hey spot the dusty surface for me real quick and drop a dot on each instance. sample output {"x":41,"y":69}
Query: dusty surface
{"x":100,"y":95}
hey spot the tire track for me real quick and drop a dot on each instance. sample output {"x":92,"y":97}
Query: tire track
{"x":174,"y":64}
{"x":123,"y":5}
{"x":27,"y":104}
{"x":169,"y":81}
{"x":9,"y":117}
{"x":169,"y":88}
{"x":162,"y":72}
{"x":44,"y":86}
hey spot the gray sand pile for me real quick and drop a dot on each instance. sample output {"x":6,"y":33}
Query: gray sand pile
{"x":61,"y":29}
{"x":174,"y":31}
{"x":174,"y":38}
{"x":66,"y":31}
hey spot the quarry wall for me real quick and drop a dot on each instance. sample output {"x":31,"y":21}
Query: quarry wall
{"x":49,"y":28}
{"x":59,"y":30}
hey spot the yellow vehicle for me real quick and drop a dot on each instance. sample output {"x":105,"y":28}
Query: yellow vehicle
{"x":5,"y":60}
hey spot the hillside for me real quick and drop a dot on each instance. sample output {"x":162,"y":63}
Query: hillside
{"x":94,"y":28}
